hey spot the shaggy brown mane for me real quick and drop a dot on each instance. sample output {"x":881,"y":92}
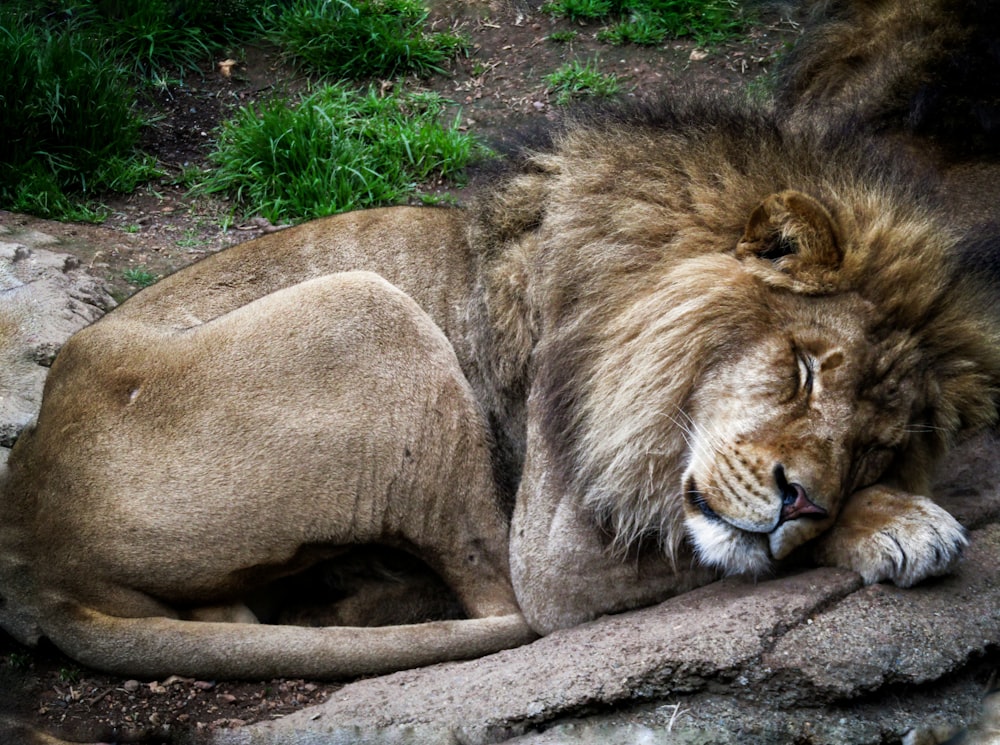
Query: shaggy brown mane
{"x":667,"y":189}
{"x":923,"y":68}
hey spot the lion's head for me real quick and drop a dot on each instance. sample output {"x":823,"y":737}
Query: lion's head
{"x":737,"y":333}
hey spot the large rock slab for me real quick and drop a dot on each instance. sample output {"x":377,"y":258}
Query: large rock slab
{"x":905,"y":637}
{"x":706,"y":637}
{"x":809,"y":658}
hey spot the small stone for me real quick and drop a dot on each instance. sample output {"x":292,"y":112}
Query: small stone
{"x":131,"y":685}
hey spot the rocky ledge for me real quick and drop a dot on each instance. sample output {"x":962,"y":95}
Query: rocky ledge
{"x":814,"y":657}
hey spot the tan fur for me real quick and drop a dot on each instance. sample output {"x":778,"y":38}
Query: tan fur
{"x":249,"y":417}
{"x":684,"y":335}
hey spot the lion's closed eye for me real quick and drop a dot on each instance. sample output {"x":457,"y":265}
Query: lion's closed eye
{"x":796,"y":372}
{"x":805,"y":368}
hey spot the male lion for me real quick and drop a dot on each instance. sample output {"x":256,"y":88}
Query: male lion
{"x":923,"y":70}
{"x":674,"y":335}
{"x":922,"y":74}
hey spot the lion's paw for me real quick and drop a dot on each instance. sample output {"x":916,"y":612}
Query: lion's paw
{"x":890,"y":536}
{"x":912,"y":549}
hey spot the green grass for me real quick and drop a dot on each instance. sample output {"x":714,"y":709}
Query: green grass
{"x":139,"y":277}
{"x":68,"y":88}
{"x":191,"y":239}
{"x":158,"y":36}
{"x":650,"y":22}
{"x":438,"y":200}
{"x":361,"y":38}
{"x":579,"y":10}
{"x":19,"y":660}
{"x":334,"y":151}
{"x":563,"y":37}
{"x":576,"y":80}
{"x":70,"y":674}
{"x":152,"y":38}
{"x":66,"y":120}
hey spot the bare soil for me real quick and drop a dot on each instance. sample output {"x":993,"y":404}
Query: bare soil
{"x":162,"y":227}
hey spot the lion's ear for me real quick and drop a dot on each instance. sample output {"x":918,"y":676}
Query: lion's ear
{"x":791,"y":224}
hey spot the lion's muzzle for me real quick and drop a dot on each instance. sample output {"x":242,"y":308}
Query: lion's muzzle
{"x":792,"y":503}
{"x":737,"y":547}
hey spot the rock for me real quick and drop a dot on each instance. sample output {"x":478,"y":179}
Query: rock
{"x":811,"y":658}
{"x":44,"y":298}
{"x":908,"y":636}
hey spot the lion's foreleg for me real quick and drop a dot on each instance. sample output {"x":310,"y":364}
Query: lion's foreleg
{"x":564,"y":572}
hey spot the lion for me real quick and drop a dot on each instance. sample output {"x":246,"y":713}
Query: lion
{"x":919,"y":76}
{"x":921,"y":71}
{"x":670,"y":344}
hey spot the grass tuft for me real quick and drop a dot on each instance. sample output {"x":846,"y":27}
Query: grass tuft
{"x":579,"y":10}
{"x":68,"y":83}
{"x":576,"y":80}
{"x":150,"y":37}
{"x":563,"y":37}
{"x":66,"y":120}
{"x":337,"y":150}
{"x":139,"y":277}
{"x":650,"y":22}
{"x":361,"y":38}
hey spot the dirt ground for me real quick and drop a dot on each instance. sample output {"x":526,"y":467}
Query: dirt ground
{"x":162,"y":228}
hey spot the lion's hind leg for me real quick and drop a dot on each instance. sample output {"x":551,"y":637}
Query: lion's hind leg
{"x":246,"y":449}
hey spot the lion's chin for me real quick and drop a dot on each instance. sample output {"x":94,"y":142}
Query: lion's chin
{"x":730,"y":549}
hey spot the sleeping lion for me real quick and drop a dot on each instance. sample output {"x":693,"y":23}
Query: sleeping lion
{"x":666,"y":346}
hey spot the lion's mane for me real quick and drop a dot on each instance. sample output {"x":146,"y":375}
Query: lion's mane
{"x":926,"y":69}
{"x":608,"y":284}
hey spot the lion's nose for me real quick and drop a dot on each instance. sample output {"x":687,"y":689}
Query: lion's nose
{"x":794,"y":501}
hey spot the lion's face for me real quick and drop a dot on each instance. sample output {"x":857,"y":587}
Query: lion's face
{"x":780,"y":435}
{"x":736,"y":394}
